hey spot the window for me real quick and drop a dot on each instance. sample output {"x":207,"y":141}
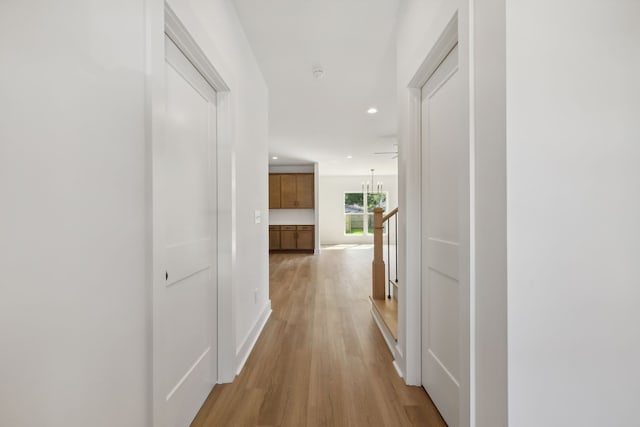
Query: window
{"x":358,"y":215}
{"x":354,"y":213}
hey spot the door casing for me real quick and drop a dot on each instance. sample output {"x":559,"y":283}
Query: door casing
{"x":161,"y":20}
{"x":453,"y":34}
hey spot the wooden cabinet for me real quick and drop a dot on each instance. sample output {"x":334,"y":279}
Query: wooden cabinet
{"x":291,"y":191}
{"x":288,"y":237}
{"x":305,"y":237}
{"x":304,"y":191}
{"x":288,"y":191}
{"x":274,"y":237}
{"x":274,"y":191}
{"x":291,"y":237}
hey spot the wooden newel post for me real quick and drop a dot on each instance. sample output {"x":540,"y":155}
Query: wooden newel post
{"x":378,"y":285}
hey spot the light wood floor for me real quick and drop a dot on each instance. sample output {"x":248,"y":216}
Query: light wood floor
{"x":320,"y":360}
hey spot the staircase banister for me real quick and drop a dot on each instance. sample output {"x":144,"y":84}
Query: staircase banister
{"x":378,"y":267}
{"x":389,"y":215}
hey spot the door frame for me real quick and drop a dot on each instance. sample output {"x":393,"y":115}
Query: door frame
{"x":225,"y":167}
{"x":453,"y":33}
{"x":161,"y":20}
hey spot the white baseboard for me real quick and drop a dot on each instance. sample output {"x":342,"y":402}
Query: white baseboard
{"x":388,"y":338}
{"x":398,"y":370}
{"x":250,"y":340}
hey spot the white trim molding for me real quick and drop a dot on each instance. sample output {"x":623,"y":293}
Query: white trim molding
{"x":452,"y":31}
{"x":389,"y":340}
{"x":250,"y":340}
{"x":447,"y":41}
{"x":179,"y":34}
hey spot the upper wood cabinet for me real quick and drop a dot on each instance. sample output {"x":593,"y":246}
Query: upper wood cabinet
{"x":288,"y":191}
{"x":305,"y":195}
{"x":291,"y":191}
{"x":274,"y":191}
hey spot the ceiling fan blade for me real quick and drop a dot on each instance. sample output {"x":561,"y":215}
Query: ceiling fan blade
{"x":386,"y":152}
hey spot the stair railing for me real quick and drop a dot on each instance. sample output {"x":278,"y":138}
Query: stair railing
{"x":382,"y":285}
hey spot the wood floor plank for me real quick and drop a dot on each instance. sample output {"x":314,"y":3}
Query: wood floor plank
{"x":321,"y":360}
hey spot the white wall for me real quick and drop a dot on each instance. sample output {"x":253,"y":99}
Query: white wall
{"x":554,"y":132}
{"x":481,"y":36}
{"x":332,"y":189}
{"x":291,"y":168}
{"x":292,"y":216}
{"x":74,"y":183}
{"x":216,"y":28}
{"x":419,"y":25}
{"x":73,"y":298}
{"x":573,"y":208}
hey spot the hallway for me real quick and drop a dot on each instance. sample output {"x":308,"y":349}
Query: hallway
{"x":320,"y":360}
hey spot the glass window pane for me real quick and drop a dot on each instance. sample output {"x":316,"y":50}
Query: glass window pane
{"x":353,"y":203}
{"x":353,"y":224}
{"x":376,"y":200}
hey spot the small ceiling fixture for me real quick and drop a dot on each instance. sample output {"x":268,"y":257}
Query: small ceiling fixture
{"x":395,"y":153}
{"x":349,"y":157}
{"x":275,"y":157}
{"x":372,"y":110}
{"x":318,"y":72}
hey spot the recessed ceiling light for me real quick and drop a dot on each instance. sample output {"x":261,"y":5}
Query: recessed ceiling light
{"x":349,"y":157}
{"x":372,"y":110}
{"x":275,"y":157}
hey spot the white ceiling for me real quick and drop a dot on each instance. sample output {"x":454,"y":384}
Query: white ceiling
{"x":326,"y":120}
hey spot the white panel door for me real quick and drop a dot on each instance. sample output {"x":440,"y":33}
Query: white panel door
{"x":443,"y":139}
{"x":185,"y":294}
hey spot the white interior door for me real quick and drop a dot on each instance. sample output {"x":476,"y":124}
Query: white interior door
{"x":443,"y":139}
{"x":185,"y":289}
